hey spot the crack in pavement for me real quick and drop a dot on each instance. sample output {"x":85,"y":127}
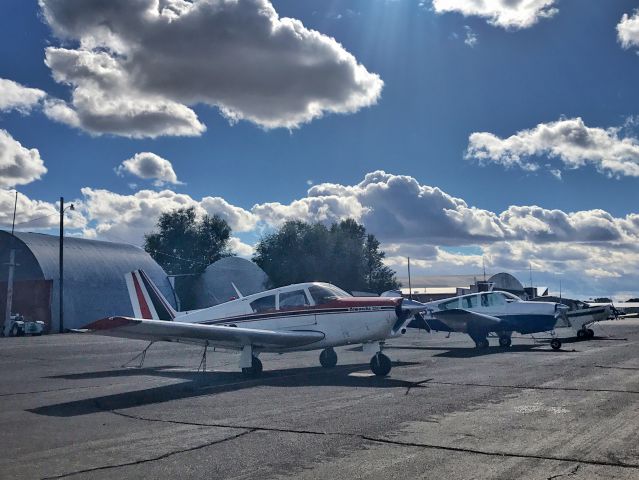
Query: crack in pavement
{"x":59,"y":390}
{"x":371,"y":439}
{"x":572,"y":472}
{"x":537,"y":387}
{"x":419,"y":384}
{"x":617,"y":368}
{"x":153,"y":459}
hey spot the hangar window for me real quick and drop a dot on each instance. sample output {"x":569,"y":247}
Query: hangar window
{"x":294,"y":299}
{"x":264,"y":304}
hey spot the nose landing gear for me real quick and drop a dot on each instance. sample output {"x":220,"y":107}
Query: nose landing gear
{"x":381,"y":365}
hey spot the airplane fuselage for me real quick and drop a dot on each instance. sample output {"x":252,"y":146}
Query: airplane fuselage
{"x":342,"y":321}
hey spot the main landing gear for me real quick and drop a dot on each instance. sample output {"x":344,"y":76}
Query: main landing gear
{"x":249,"y":363}
{"x":255,"y":369}
{"x":585,"y":333}
{"x":555,"y":343}
{"x":328,"y":358}
{"x":482,"y":343}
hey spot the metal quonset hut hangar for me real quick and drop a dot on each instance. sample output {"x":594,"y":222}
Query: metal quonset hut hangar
{"x":506,"y":282}
{"x":94,"y":285}
{"x":215,"y":285}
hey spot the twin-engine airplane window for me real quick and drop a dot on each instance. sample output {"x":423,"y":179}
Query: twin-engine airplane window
{"x":294,"y":299}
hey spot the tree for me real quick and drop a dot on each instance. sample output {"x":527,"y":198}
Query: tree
{"x":343,"y":255}
{"x":185,"y":244}
{"x":602,"y":300}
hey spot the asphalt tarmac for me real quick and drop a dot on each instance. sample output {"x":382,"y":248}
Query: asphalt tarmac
{"x":69,"y":410}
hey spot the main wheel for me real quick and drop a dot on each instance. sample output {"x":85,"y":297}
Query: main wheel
{"x":482,"y":344}
{"x":581,"y":334}
{"x":381,"y":365}
{"x":255,"y":369}
{"x":590,"y":333}
{"x":505,"y":342}
{"x":328,"y":358}
{"x":15,"y":331}
{"x":555,"y":343}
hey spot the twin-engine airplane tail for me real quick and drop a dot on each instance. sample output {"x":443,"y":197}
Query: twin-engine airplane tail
{"x":147,"y":301}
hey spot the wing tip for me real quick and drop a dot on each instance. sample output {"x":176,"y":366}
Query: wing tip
{"x":109,"y":323}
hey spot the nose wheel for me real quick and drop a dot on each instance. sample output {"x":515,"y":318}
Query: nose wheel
{"x":555,"y":343}
{"x":381,"y":365}
{"x":328,"y":358}
{"x":505,"y":342}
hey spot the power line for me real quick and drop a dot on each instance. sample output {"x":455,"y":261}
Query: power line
{"x":32,"y":220}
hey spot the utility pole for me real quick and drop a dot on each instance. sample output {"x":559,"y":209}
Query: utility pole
{"x":61,"y":259}
{"x":410,"y":288}
{"x":11,"y":266}
{"x":483,"y":264}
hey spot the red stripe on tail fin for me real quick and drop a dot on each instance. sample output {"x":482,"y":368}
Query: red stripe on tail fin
{"x":144,"y":308}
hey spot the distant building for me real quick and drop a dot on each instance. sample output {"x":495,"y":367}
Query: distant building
{"x":500,"y":281}
{"x":94,"y":285}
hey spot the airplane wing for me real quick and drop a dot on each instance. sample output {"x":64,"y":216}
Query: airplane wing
{"x":457,"y":317}
{"x":216,"y":335}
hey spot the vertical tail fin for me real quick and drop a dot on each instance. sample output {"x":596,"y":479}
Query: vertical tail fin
{"x":146,"y":299}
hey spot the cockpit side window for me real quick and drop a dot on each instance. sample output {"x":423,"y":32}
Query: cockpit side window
{"x":294,"y":299}
{"x":450,"y":304}
{"x":322,"y":295}
{"x":264,"y":304}
{"x":496,"y":299}
{"x":470,"y":302}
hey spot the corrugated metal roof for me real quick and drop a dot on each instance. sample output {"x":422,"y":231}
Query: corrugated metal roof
{"x":94,"y":285}
{"x":214,"y":285}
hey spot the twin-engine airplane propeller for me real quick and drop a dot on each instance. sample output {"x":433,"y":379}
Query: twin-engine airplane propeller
{"x":479,"y":314}
{"x":304,"y":316}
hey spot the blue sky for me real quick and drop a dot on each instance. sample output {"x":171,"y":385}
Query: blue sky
{"x":439,"y":88}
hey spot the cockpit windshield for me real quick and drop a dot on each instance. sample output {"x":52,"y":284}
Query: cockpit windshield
{"x":326,"y":293}
{"x":510,"y":297}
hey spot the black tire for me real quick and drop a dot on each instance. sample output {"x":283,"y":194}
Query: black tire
{"x":581,"y":334}
{"x":482,"y":344}
{"x":505,"y":342}
{"x":590,"y":333}
{"x":381,"y":365}
{"x":555,"y":343}
{"x":255,"y":370}
{"x":328,"y":358}
{"x":15,"y":331}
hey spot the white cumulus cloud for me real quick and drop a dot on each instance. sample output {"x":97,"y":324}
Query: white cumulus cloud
{"x":508,"y":14}
{"x":568,"y":139}
{"x":628,"y":30}
{"x":149,"y":166}
{"x":14,"y":96}
{"x":18,"y":165}
{"x":140,"y":65}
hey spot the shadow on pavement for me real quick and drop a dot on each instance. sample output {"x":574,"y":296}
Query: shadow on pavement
{"x":198,"y":384}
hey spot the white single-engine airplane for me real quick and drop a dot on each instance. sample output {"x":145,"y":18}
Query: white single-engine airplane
{"x":479,"y":314}
{"x":304,"y":316}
